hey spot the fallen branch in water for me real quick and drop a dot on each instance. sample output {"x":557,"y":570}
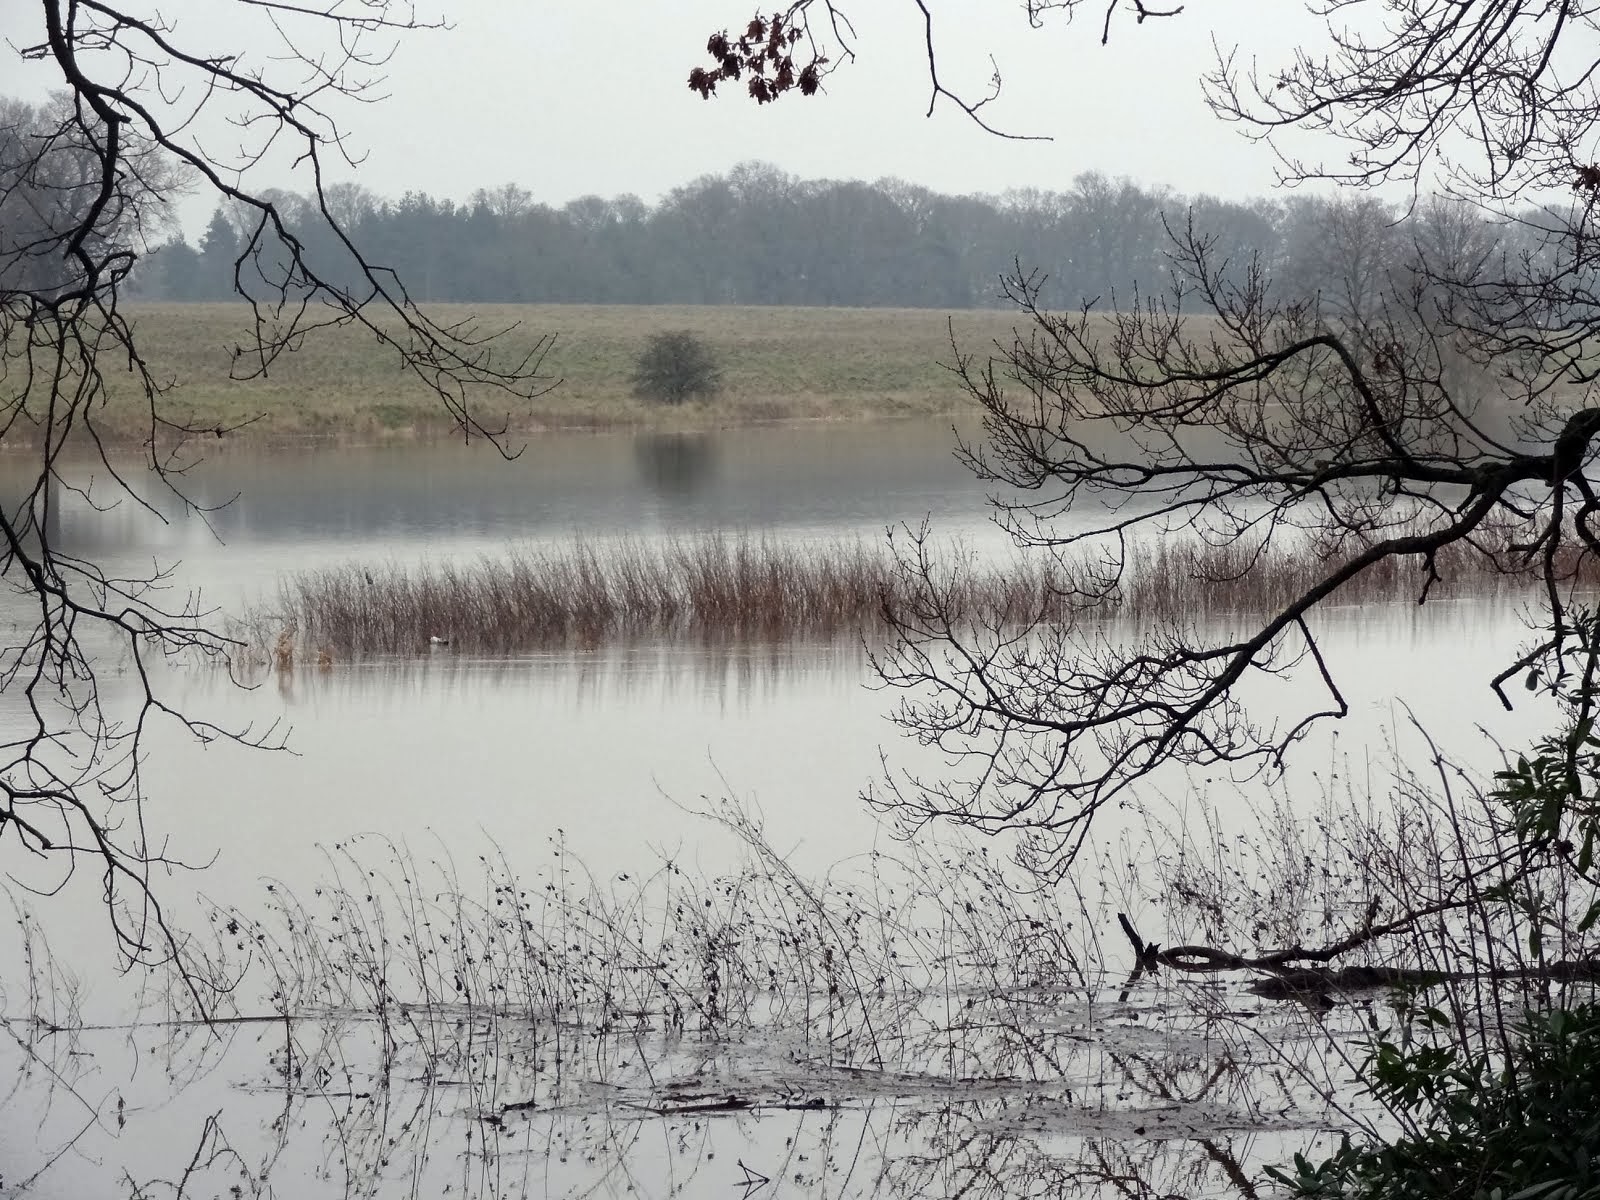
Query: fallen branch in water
{"x":1286,"y":980}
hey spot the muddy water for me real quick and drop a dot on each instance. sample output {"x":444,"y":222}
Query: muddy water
{"x":600,"y":753}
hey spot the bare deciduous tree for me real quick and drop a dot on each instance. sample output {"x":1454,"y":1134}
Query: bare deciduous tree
{"x":84,"y":180}
{"x":801,"y":44}
{"x":1441,"y":398}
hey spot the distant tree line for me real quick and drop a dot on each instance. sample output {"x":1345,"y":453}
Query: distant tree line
{"x":51,"y":187}
{"x":757,"y":235}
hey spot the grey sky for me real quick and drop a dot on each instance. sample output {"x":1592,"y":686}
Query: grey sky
{"x":582,"y":98}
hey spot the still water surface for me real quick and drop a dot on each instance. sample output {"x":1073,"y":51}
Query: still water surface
{"x":604,"y":745}
{"x":608,"y":747}
{"x":599,"y":744}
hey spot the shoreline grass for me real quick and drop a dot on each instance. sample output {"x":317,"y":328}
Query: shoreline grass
{"x":340,"y":385}
{"x":778,"y":364}
{"x":739,"y":589}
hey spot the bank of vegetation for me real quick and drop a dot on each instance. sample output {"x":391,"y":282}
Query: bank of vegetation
{"x":775,"y":364}
{"x":748,"y":589}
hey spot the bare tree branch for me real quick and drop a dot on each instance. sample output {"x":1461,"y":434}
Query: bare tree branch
{"x":84,"y":182}
{"x":764,"y":58}
{"x":1266,"y":422}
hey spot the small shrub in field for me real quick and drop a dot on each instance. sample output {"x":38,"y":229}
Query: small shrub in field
{"x":675,"y":367}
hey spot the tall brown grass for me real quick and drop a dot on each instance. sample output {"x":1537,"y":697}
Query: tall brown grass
{"x":586,"y":594}
{"x":1180,"y":578}
{"x":722,"y":588}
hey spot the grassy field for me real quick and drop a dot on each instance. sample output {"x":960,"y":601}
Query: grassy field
{"x":778,"y":363}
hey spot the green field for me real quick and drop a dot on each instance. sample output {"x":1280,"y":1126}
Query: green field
{"x":778,"y":363}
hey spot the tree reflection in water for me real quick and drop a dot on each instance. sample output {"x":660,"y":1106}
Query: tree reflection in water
{"x":458,"y":1102}
{"x":675,"y":465}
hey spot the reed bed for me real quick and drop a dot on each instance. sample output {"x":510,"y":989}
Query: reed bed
{"x":1180,"y":579}
{"x":922,"y":1021}
{"x":584,"y":595}
{"x":720,"y":589}
{"x":933,"y":974}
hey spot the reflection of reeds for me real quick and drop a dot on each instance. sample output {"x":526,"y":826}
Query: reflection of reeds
{"x":721,"y":589}
{"x":553,"y":1003}
{"x":862,"y":963}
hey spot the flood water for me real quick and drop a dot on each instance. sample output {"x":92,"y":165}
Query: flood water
{"x":596,"y":755}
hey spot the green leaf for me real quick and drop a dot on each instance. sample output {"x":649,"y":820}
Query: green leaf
{"x":1537,"y":1189}
{"x":1590,"y":917}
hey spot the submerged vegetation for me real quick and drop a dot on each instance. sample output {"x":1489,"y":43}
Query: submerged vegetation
{"x":920,"y":1020}
{"x":901,"y":1021}
{"x":748,"y":589}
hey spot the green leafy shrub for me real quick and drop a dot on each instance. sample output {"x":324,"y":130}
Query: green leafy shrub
{"x":1529,"y":1130}
{"x":675,"y":367}
{"x":1513,"y":1118}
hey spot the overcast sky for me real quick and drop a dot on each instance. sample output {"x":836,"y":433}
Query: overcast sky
{"x":579,"y":98}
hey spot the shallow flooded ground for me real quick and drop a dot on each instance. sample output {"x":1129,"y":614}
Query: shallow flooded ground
{"x":883,"y":1054}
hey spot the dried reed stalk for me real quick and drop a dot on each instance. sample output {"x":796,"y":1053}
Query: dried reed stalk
{"x":719,"y":588}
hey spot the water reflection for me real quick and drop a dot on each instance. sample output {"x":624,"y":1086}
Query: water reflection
{"x":1065,"y":1087}
{"x":312,"y":1127}
{"x":857,"y":478}
{"x":269,"y":513}
{"x":675,"y":465}
{"x":720,"y":674}
{"x":912,"y":1026}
